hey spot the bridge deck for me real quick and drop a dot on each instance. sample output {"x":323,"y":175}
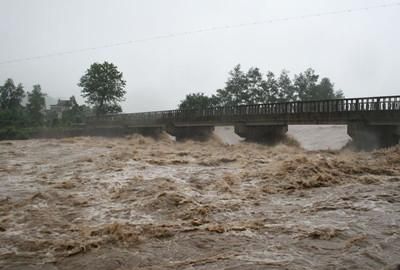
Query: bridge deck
{"x":383,"y":110}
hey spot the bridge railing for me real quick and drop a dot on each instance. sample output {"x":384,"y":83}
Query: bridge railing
{"x":365,"y":104}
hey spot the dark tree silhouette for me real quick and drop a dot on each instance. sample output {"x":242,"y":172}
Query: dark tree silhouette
{"x":36,"y":105}
{"x":103,"y":87}
{"x":11,"y":96}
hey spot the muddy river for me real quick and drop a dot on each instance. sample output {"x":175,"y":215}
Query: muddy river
{"x":137,"y":203}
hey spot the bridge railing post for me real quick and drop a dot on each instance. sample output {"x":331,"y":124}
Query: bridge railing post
{"x":361,"y":104}
{"x":396,"y":104}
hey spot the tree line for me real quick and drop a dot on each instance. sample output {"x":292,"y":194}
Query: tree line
{"x":254,"y":87}
{"x":12,"y":111}
{"x":33,"y":112}
{"x":103,"y":88}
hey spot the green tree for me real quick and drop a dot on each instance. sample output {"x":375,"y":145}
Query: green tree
{"x":12,"y":113}
{"x":307,"y":87}
{"x":325,"y":90}
{"x":339,"y":94}
{"x":11,"y":96}
{"x":197,"y":101}
{"x":305,"y":84}
{"x":236,"y":89}
{"x":252,"y":87}
{"x":271,"y":88}
{"x":36,"y":105}
{"x":286,"y":90}
{"x":255,"y":86}
{"x":103,"y":87}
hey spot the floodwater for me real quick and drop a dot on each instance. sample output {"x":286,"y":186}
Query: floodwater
{"x":310,"y":137}
{"x":137,"y":203}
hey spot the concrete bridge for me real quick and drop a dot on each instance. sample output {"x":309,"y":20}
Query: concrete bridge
{"x":372,"y":121}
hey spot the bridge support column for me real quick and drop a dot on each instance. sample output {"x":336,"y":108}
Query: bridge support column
{"x":199,"y":133}
{"x":269,"y":134}
{"x":369,"y":137}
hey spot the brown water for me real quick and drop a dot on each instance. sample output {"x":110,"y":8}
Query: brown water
{"x":136,"y":203}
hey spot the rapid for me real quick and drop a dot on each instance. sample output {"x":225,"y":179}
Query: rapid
{"x":139,"y":203}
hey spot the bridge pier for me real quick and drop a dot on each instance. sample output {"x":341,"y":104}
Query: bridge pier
{"x":369,"y":137}
{"x":270,"y":134}
{"x":199,"y":133}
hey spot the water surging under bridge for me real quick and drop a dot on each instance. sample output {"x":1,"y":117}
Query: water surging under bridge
{"x":372,"y":121}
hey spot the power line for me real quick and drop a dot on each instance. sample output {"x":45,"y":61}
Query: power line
{"x":203,"y":30}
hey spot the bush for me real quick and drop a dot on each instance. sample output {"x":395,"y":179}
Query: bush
{"x":13,"y":133}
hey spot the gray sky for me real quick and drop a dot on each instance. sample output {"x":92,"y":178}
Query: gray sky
{"x":359,"y":51}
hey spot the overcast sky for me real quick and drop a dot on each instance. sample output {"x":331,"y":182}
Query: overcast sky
{"x":359,"y":51}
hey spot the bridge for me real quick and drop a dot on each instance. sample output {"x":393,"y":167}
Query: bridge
{"x":371,"y":121}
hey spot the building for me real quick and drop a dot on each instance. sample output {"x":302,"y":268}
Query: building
{"x":58,"y":109}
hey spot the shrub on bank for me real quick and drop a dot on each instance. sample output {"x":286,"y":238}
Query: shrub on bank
{"x":14,"y":133}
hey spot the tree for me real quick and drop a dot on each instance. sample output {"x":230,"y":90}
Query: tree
{"x":305,"y":83}
{"x":104,"y":87}
{"x":36,"y":105}
{"x":252,"y":87}
{"x":236,"y":89}
{"x":308,"y":88}
{"x":255,"y":86}
{"x":12,"y":113}
{"x":11,"y":96}
{"x":271,"y":88}
{"x":339,"y":94}
{"x":325,"y":90}
{"x":197,"y":101}
{"x":286,"y":90}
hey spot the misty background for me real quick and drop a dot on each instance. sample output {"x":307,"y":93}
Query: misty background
{"x":358,"y":51}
